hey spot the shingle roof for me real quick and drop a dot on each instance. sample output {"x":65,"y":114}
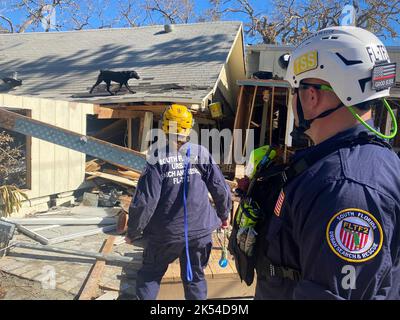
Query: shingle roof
{"x":64,"y":65}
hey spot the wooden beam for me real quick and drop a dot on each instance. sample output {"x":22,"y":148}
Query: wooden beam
{"x":239,"y":108}
{"x":146,"y":125}
{"x":250,"y":116}
{"x":272,"y":115}
{"x":264,"y":118}
{"x":126,"y":174}
{"x":91,"y":285}
{"x":110,"y":113}
{"x":149,"y":108}
{"x":113,"y":178}
{"x":129,"y":124}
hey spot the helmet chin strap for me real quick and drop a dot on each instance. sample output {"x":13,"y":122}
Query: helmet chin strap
{"x":305,"y":124}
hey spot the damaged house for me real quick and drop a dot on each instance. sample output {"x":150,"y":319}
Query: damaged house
{"x":48,"y":77}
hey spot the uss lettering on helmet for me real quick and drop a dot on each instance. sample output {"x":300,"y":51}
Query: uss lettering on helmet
{"x":306,"y":62}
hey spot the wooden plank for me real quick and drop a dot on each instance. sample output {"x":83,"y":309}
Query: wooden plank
{"x":92,"y":283}
{"x":250,"y":116}
{"x":264,"y":118}
{"x":238,"y":115}
{"x":158,"y":108}
{"x":113,"y":178}
{"x":132,"y":175}
{"x":173,"y":273}
{"x":217,"y":289}
{"x":239,"y":109}
{"x":146,"y":131}
{"x":110,"y":113}
{"x":272,"y":115}
{"x":129,"y":124}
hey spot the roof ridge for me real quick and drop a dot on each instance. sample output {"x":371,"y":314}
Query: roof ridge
{"x":179,"y":25}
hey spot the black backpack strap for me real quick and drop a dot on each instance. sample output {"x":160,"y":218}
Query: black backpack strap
{"x":299,"y":166}
{"x":270,"y":270}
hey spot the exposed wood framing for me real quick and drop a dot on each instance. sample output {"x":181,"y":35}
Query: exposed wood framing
{"x":250,"y":116}
{"x":110,"y":113}
{"x":129,"y":124}
{"x":146,"y":124}
{"x":110,"y":130}
{"x":272,"y":115}
{"x":157,"y":108}
{"x":264,"y":118}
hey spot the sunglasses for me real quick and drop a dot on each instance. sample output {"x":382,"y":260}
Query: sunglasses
{"x":305,"y":86}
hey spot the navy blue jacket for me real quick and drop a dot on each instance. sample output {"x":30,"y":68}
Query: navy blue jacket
{"x":340,"y":218}
{"x":157,"y":207}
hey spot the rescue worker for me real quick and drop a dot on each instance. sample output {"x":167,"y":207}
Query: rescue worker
{"x":334,"y":230}
{"x":172,"y":208}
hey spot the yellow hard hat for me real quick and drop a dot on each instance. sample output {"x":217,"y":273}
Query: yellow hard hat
{"x":181,"y":116}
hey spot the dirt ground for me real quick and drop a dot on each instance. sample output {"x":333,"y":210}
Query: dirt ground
{"x":15,"y":288}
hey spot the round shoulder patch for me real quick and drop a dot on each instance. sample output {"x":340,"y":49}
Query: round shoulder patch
{"x":354,"y":235}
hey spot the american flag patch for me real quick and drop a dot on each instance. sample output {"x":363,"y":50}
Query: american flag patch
{"x":279,"y":203}
{"x":383,"y":76}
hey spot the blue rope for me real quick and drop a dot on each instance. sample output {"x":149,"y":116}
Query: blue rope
{"x":189,"y":274}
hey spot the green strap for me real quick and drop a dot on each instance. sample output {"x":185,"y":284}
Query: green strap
{"x":379,"y":134}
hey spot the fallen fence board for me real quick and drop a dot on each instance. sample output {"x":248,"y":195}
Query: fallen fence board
{"x":113,"y":178}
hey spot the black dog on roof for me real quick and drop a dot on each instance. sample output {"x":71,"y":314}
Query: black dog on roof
{"x":122,"y":77}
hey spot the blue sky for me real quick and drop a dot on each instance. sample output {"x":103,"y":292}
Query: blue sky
{"x":260,"y":7}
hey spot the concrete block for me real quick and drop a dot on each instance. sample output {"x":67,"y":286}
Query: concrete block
{"x":38,"y":201}
{"x":65,"y":194}
{"x":90,"y":200}
{"x":65,"y":201}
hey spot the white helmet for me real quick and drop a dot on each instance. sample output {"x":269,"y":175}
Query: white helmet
{"x":345,"y":57}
